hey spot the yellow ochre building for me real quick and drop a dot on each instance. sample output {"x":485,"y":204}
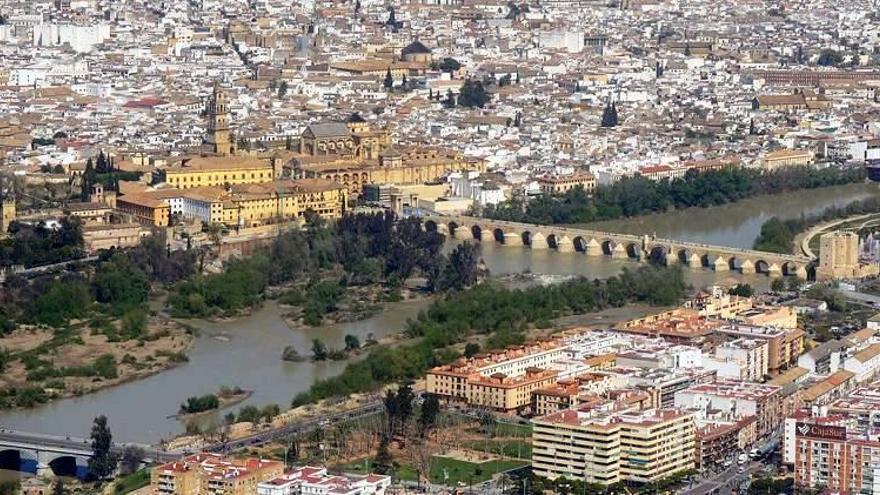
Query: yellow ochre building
{"x":354,"y":155}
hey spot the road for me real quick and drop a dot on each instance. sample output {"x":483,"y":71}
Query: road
{"x":725,"y":482}
{"x":298,"y":427}
{"x":861,"y":297}
{"x":818,"y":229}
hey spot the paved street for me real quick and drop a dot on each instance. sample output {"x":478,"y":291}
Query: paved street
{"x":725,"y":481}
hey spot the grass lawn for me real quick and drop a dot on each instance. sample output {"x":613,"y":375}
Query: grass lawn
{"x":468,"y":472}
{"x":508,"y":448}
{"x":132,"y":482}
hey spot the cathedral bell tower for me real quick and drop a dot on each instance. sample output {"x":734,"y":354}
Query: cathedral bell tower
{"x":218,"y":137}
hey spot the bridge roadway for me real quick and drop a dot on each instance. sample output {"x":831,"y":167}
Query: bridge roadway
{"x":620,"y":246}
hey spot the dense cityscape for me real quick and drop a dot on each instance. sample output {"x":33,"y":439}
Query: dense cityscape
{"x":370,"y":247}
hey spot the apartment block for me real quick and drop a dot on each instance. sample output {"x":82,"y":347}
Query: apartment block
{"x":212,"y":474}
{"x":607,"y":448}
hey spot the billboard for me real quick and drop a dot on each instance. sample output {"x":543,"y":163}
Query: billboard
{"x":827,"y":432}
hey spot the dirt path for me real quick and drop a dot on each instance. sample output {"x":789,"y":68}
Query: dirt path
{"x":802,"y":240}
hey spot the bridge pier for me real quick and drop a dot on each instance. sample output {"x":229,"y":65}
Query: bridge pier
{"x":694,"y":261}
{"x":44,"y":471}
{"x":487,"y":235}
{"x":618,"y":252}
{"x":513,"y":239}
{"x":593,"y":248}
{"x":538,"y":241}
{"x":564,"y":244}
{"x":774,"y":270}
{"x":747,"y":267}
{"x":462,"y":234}
{"x":801,"y":272}
{"x":719,"y":264}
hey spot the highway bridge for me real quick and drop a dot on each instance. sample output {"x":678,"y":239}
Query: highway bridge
{"x":620,"y":246}
{"x":49,"y":454}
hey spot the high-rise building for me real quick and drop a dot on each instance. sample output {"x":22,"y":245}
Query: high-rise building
{"x":830,"y":457}
{"x":218,"y":137}
{"x":607,"y":448}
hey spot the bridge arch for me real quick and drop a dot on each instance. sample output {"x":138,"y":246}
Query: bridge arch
{"x":735,"y":263}
{"x":66,"y":465}
{"x":633,"y":250}
{"x":762,"y":266}
{"x":477,"y":232}
{"x":24,"y":460}
{"x":608,"y":246}
{"x":658,"y":254}
{"x":498,"y":234}
{"x":792,"y":269}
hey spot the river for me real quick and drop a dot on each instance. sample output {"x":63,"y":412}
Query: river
{"x":247,"y":351}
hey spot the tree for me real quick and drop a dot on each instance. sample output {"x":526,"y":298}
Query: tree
{"x":609,"y":116}
{"x":742,"y":290}
{"x":103,"y":460}
{"x":829,"y":58}
{"x":428,"y":416}
{"x":132,"y":457}
{"x":282,"y":89}
{"x":460,"y":271}
{"x":319,"y":350}
{"x":449,"y":102}
{"x":471,"y":349}
{"x":388,"y":83}
{"x":382,"y":463}
{"x":777,"y":285}
{"x":473,"y":94}
{"x":352,"y":343}
{"x":88,"y":180}
{"x":449,"y":65}
{"x":403,"y":82}
{"x":58,"y":487}
{"x":357,"y":6}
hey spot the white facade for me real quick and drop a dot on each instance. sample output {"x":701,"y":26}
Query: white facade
{"x":728,"y":405}
{"x":561,"y":39}
{"x":81,"y":39}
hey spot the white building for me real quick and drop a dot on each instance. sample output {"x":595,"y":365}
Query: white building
{"x":315,"y":481}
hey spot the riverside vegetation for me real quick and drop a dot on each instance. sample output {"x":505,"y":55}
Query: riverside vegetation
{"x":86,"y":327}
{"x":638,"y":195}
{"x":500,"y":314}
{"x":324,"y":264}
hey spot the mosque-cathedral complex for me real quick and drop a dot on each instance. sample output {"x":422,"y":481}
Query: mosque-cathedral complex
{"x":328,"y":166}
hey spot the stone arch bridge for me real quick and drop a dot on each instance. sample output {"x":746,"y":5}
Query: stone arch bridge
{"x":620,"y":246}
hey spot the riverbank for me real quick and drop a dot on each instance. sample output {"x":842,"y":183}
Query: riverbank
{"x":46,"y":364}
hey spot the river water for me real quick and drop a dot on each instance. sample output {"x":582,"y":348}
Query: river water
{"x":247,"y":351}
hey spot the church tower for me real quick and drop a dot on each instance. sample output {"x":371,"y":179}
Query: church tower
{"x":218,"y":123}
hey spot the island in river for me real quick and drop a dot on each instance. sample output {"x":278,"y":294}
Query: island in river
{"x":44,"y":363}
